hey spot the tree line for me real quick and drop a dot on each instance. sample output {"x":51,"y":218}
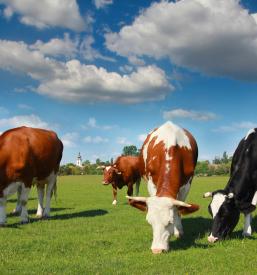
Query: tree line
{"x":89,"y":168}
{"x":218,"y":166}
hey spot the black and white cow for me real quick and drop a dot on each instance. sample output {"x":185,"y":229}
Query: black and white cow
{"x":240,"y":193}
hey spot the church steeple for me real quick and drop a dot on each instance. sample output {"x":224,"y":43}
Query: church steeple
{"x":79,"y":160}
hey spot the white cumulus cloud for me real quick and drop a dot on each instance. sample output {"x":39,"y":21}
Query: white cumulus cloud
{"x":123,"y":141}
{"x":45,"y":13}
{"x":102,"y":3}
{"x":215,"y":37}
{"x":96,"y":139}
{"x":236,"y":126}
{"x":194,"y":115}
{"x":57,"y":47}
{"x":76,"y":82}
{"x":70,"y":139}
{"x":24,"y":120}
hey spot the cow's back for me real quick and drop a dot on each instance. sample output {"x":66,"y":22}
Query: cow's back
{"x":169,"y":155}
{"x":129,"y":167}
{"x":26,"y":153}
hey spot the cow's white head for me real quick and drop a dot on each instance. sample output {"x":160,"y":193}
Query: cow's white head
{"x":160,"y":214}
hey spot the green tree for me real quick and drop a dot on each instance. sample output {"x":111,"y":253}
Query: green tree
{"x":130,"y":150}
{"x":225,"y":158}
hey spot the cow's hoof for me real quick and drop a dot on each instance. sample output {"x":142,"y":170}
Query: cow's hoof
{"x":39,"y":216}
{"x":114,"y":202}
{"x":46,"y":217}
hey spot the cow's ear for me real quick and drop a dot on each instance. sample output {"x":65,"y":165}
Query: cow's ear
{"x":187,"y":210}
{"x":141,"y":205}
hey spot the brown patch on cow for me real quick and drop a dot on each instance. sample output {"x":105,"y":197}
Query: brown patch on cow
{"x":181,"y":163}
{"x":28,"y":153}
{"x":188,"y":210}
{"x":138,"y":204}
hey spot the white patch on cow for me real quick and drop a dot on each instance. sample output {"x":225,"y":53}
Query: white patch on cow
{"x":249,"y":133}
{"x":254,"y":200}
{"x":247,"y":226}
{"x":216,"y":203}
{"x":151,"y":187}
{"x":171,"y":135}
{"x":108,"y":168}
{"x":161,"y":217}
{"x":114,"y":202}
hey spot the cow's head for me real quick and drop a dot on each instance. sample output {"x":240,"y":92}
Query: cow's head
{"x":160,"y":215}
{"x":110,"y":173}
{"x":224,"y":212}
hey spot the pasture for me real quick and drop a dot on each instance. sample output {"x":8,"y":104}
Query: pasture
{"x":88,"y":235}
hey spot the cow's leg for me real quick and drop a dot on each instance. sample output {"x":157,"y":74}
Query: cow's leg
{"x":137,"y":187}
{"x":130,"y":189}
{"x":17,"y":209}
{"x":114,"y":192}
{"x":2,"y":211}
{"x":24,"y":200}
{"x":247,"y":225}
{"x":40,"y":193}
{"x":183,"y":191}
{"x":51,"y":182}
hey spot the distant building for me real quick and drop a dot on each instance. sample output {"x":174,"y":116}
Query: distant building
{"x":79,"y":160}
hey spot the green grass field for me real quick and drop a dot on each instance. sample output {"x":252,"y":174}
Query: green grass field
{"x":88,"y":235}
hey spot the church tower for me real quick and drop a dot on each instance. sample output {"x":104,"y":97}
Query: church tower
{"x":79,"y":160}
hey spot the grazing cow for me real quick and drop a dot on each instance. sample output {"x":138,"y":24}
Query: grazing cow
{"x":240,"y":193}
{"x":168,"y":159}
{"x":125,"y":171}
{"x":27,"y":154}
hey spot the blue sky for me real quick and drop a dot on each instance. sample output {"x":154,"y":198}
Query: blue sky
{"x":103,"y":73}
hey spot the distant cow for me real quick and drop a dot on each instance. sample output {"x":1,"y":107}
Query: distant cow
{"x":124,"y":172}
{"x":168,"y":159}
{"x":240,"y":193}
{"x":27,"y":154}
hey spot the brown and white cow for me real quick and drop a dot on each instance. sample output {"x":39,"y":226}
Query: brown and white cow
{"x":124,"y":172}
{"x":27,"y":154}
{"x":169,"y":155}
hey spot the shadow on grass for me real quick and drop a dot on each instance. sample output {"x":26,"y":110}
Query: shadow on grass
{"x":194,"y":228}
{"x":34,"y":211}
{"x":81,"y":214}
{"x":15,"y":200}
